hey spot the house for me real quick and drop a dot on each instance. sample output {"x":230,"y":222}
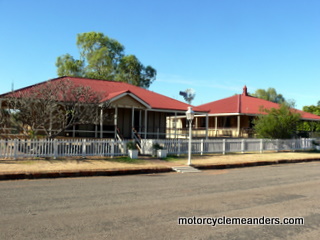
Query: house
{"x":233,"y":116}
{"x":132,"y":110}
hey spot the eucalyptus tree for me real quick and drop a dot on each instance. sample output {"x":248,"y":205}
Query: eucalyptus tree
{"x":102,"y":57}
{"x":270,"y":95}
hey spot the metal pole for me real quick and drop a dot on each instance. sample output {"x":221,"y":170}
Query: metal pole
{"x":189,"y":147}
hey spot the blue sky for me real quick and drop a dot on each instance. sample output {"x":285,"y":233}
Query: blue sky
{"x":212,"y":46}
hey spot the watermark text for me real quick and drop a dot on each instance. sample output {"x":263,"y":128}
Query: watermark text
{"x":215,"y":221}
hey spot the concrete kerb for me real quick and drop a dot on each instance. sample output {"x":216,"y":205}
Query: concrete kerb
{"x":119,"y":172}
{"x":81,"y":173}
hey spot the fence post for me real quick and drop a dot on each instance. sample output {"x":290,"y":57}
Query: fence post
{"x":15,"y":148}
{"x":201,"y":147}
{"x":261,"y":145}
{"x":306,"y":143}
{"x":178,"y":153}
{"x":277,"y":145}
{"x":55,"y":149}
{"x":294,"y":145}
{"x":23,"y":147}
{"x":223,"y":146}
{"x":112,"y":148}
{"x":84,"y":148}
{"x":124,"y":147}
{"x":242,"y":146}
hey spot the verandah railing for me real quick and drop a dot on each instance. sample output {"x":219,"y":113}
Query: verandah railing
{"x":84,"y":147}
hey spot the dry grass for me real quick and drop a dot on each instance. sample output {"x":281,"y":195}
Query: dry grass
{"x":39,"y":165}
{"x":103,"y":163}
{"x":245,"y":158}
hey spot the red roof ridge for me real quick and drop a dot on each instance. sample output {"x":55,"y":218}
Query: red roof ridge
{"x":85,"y":78}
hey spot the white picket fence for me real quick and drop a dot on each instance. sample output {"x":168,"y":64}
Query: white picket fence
{"x":66,"y":148}
{"x":60,"y":148}
{"x":223,"y":146}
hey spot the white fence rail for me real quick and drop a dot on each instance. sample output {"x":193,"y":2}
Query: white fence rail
{"x":67,"y":148}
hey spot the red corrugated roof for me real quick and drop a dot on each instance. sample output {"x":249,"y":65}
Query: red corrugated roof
{"x":111,"y":89}
{"x":245,"y":104}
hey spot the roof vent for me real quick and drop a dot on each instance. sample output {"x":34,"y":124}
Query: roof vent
{"x":245,"y":92}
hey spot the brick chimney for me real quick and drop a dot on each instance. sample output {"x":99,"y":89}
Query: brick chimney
{"x":245,"y":92}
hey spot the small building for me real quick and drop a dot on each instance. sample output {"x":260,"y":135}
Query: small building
{"x":233,"y":116}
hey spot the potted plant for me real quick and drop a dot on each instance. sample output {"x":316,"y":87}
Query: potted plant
{"x":160,"y":151}
{"x":132,"y":150}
